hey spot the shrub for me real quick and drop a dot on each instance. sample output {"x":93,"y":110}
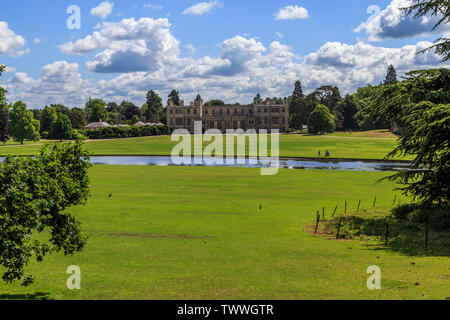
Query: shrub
{"x":438,"y":216}
{"x":125,"y":132}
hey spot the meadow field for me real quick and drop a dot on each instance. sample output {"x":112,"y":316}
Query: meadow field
{"x":346,"y":146}
{"x":199,"y":233}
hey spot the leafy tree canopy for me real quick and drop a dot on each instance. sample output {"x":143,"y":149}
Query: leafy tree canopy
{"x":215,"y":102}
{"x":174,"y":97}
{"x":421,"y":106}
{"x":391,"y":76}
{"x":434,"y":8}
{"x":22,"y":125}
{"x":61,"y":128}
{"x":321,"y":121}
{"x":34,"y":196}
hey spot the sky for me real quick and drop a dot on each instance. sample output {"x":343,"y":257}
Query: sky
{"x":222,"y":49}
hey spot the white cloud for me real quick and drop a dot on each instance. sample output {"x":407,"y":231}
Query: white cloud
{"x":191,"y":49}
{"x":291,"y":13}
{"x":103,"y":10}
{"x":279,"y":34}
{"x":392,"y":22}
{"x":148,"y":57}
{"x":153,"y":6}
{"x":10,"y":42}
{"x":128,"y":46}
{"x":36,"y":40}
{"x":202,"y":8}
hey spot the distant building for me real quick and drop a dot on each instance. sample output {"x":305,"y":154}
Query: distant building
{"x":97,"y":125}
{"x":262,"y":114}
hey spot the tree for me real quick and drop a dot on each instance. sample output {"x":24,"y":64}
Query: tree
{"x":330,"y":97}
{"x":113,"y":107}
{"x":349,"y":109}
{"x":130,"y":110}
{"x":61,"y":128}
{"x":391,"y":76}
{"x":35,"y":195}
{"x":22,"y":125}
{"x":421,"y":106}
{"x":154,"y":106}
{"x":4,"y":136}
{"x":321,"y":121}
{"x":300,"y":109}
{"x":48,"y":116}
{"x":98,"y":112}
{"x":435,"y":8}
{"x":174,"y":97}
{"x":215,"y":102}
{"x":77,"y":118}
{"x":298,"y":91}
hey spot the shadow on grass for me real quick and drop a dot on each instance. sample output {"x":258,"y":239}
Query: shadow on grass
{"x":27,"y":296}
{"x":406,"y":238}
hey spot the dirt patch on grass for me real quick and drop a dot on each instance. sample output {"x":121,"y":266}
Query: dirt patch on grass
{"x":159,"y":236}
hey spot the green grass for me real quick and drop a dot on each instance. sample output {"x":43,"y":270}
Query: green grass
{"x":290,"y":146}
{"x":198,"y":233}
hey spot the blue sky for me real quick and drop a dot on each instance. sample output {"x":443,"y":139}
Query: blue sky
{"x":224,"y":49}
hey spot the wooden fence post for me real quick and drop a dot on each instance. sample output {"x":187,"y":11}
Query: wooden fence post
{"x":317,"y":221}
{"x":359,"y":203}
{"x":334,"y":211}
{"x":374,"y":202}
{"x":426,"y":237}
{"x":395,"y":198}
{"x":345,"y":210}
{"x":323,"y":213}
{"x":339,"y":228}
{"x":387,"y":233}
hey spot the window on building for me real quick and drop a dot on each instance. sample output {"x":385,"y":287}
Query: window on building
{"x":228,"y":111}
{"x":206,"y":111}
{"x":265,"y":110}
{"x":265,"y":120}
{"x":275,"y":120}
{"x":179,"y":122}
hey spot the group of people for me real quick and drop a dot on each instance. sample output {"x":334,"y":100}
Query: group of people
{"x":327,"y":153}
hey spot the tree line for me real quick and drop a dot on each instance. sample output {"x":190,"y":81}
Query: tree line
{"x":325,"y":110}
{"x":59,"y":122}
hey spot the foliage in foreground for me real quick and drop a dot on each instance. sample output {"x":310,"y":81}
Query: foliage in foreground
{"x":420,"y":105}
{"x":34,"y":196}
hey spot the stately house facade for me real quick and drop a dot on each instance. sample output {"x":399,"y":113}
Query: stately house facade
{"x":262,"y":114}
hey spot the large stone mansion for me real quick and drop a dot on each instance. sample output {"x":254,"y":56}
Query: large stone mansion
{"x":262,"y":114}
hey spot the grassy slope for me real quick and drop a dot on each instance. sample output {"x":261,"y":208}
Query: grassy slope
{"x":233,"y":251}
{"x":290,"y":146}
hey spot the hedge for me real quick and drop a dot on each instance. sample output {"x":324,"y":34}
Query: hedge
{"x":126,"y":132}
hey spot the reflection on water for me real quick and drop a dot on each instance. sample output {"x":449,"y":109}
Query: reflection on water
{"x":252,"y":163}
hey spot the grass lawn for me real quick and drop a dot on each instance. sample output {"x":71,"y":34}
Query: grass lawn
{"x":198,"y":233}
{"x":290,"y":146}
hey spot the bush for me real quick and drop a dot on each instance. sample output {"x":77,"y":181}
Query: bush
{"x":126,"y":132}
{"x":438,"y":216}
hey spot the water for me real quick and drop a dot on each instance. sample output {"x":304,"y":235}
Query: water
{"x":250,"y":163}
{"x":254,"y":163}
